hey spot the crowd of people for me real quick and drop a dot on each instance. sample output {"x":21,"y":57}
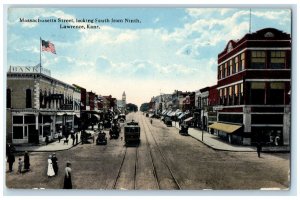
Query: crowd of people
{"x":24,"y":165}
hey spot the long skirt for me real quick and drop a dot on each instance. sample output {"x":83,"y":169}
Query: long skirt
{"x":68,"y":182}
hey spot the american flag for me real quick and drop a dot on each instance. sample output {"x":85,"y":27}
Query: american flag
{"x":48,"y":46}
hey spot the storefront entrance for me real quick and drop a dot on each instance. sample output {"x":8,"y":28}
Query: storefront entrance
{"x":33,"y":135}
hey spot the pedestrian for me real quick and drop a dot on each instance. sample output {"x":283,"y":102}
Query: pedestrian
{"x":50,"y":171}
{"x":59,"y":137}
{"x":26,"y":162}
{"x":54,"y":163}
{"x":9,"y":149}
{"x":76,"y":138}
{"x":73,"y":138}
{"x":20,"y":166}
{"x":277,"y":139}
{"x":11,"y":160}
{"x":47,"y":140}
{"x":68,"y":177}
{"x":93,"y":138}
{"x":258,"y":149}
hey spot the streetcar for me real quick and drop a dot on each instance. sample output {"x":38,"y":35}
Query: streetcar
{"x":132,"y":132}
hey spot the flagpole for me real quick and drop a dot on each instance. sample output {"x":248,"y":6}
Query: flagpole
{"x":250,"y":21}
{"x":40,"y":54}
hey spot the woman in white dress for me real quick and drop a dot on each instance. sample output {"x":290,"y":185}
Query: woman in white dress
{"x":50,"y":171}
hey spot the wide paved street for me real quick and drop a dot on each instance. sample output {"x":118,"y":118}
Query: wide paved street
{"x":164,"y":160}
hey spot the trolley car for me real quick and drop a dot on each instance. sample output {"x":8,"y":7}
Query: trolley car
{"x":132,"y":132}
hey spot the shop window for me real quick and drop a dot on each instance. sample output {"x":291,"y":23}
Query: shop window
{"x":28,"y":98}
{"x":257,"y":93}
{"x":8,"y":98}
{"x":17,"y":119}
{"x":277,"y":60}
{"x":258,"y":59}
{"x":276,"y":93}
{"x":25,"y":131}
{"x":267,"y":119}
{"x":18,"y":132}
{"x":46,"y":131}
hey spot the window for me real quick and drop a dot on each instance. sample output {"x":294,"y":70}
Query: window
{"x":230,"y":67}
{"x":277,"y":60}
{"x":236,"y":94}
{"x":242,"y":62}
{"x":25,"y":131}
{"x":220,"y":96}
{"x":224,"y":70}
{"x":8,"y":98}
{"x":28,"y":98}
{"x":236,"y":65}
{"x":230,"y":95}
{"x":17,"y":119}
{"x":276,"y":93}
{"x":257,"y":93}
{"x":30,"y":119}
{"x":225,"y":95}
{"x":258,"y":59}
{"x":17,"y":132}
{"x":241,"y":92}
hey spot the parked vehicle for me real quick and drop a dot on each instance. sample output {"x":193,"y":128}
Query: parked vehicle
{"x":114,"y":131}
{"x":168,"y":122}
{"x":101,"y":139}
{"x":184,"y":129}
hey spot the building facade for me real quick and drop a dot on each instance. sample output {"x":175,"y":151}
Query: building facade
{"x":254,"y":83}
{"x":38,"y":105}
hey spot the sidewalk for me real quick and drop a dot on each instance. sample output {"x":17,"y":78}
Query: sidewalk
{"x":216,"y":143}
{"x":53,"y":146}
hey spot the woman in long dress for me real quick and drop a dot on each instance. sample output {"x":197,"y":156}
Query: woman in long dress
{"x":68,"y":179}
{"x":50,"y":171}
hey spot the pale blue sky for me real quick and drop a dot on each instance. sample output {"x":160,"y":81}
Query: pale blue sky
{"x":172,"y":48}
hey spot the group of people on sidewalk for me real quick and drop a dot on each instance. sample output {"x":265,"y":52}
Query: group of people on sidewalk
{"x":23,"y":165}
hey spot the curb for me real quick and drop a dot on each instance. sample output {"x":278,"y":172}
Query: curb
{"x":217,"y":149}
{"x":49,"y":149}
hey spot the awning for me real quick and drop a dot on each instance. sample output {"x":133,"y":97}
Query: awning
{"x":188,"y":119}
{"x":61,"y":113}
{"x":228,"y":128}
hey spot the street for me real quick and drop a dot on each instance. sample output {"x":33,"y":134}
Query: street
{"x":164,"y":160}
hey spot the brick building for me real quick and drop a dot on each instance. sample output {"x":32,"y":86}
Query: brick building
{"x":38,"y":105}
{"x":254,"y":75}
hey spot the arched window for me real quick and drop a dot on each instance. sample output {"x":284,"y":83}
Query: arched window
{"x":8,"y":98}
{"x":28,"y":98}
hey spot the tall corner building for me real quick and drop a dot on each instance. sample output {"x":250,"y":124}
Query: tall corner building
{"x":254,"y":88}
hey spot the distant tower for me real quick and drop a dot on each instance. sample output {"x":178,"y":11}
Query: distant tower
{"x":124,"y":101}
